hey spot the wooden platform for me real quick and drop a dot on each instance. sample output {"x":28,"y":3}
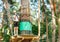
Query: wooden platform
{"x":24,"y":38}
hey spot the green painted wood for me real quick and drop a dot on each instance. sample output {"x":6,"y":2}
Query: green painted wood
{"x":25,"y":25}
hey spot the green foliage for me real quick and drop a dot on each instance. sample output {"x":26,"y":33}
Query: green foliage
{"x":6,"y":37}
{"x":47,"y":1}
{"x":43,"y":28}
{"x":35,"y":29}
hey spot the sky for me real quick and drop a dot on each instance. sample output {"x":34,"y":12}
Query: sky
{"x":1,"y":6}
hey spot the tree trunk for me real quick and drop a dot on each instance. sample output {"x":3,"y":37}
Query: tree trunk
{"x":42,"y":17}
{"x":39,"y":20}
{"x":59,"y":24}
{"x":59,"y":29}
{"x":43,"y":11}
{"x":8,"y":12}
{"x":47,"y":29}
{"x":46,"y":20}
{"x":53,"y":21}
{"x":10,"y":22}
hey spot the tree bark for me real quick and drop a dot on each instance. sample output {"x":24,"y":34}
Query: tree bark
{"x":43,"y":11}
{"x":53,"y":21}
{"x":10,"y":22}
{"x":47,"y":40}
{"x":46,"y":20}
{"x":59,"y":29}
{"x":59,"y":24}
{"x":39,"y":20}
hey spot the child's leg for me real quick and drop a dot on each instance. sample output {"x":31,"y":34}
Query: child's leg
{"x":15,"y":30}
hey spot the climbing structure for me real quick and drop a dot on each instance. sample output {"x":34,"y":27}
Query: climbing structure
{"x":25,"y":25}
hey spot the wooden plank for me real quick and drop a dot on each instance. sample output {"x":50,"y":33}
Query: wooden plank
{"x":24,"y":37}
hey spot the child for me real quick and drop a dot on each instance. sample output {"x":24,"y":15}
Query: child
{"x":15,"y":19}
